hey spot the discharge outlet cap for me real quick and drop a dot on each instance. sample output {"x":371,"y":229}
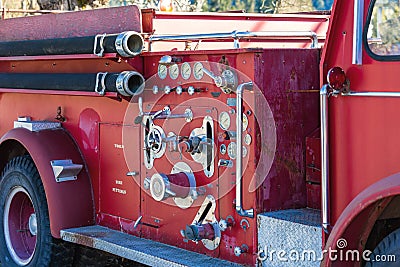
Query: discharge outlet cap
{"x":163,"y":186}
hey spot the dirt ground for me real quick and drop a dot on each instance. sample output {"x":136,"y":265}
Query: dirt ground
{"x":88,"y":257}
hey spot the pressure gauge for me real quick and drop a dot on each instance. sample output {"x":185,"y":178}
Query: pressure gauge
{"x":198,"y":71}
{"x":247,"y":139}
{"x":244,"y":152}
{"x":162,"y":71}
{"x":224,"y":120}
{"x":186,"y":70}
{"x":174,"y":71}
{"x":245,"y":122}
{"x":232,"y":150}
{"x":222,"y":149}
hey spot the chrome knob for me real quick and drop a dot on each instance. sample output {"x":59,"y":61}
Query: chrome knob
{"x":179,"y":90}
{"x":155,"y":89}
{"x":191,"y":90}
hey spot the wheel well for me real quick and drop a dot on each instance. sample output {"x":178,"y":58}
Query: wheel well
{"x":10,"y":149}
{"x":387,"y":222}
{"x":44,"y":146}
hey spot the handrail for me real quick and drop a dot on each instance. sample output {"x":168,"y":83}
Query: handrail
{"x":324,"y":95}
{"x":236,"y":36}
{"x":239,"y":152}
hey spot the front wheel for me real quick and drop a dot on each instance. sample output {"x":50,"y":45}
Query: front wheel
{"x":387,"y":252}
{"x":25,"y":237}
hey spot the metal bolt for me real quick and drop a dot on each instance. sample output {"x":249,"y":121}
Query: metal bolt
{"x":155,"y":89}
{"x":191,"y":90}
{"x":179,"y":90}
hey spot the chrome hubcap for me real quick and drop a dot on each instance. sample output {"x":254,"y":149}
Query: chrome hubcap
{"x":20,"y":226}
{"x":33,"y":224}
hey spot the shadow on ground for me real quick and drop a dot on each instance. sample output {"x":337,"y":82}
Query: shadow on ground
{"x":89,"y":257}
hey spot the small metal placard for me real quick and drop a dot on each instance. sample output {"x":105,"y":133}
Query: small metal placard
{"x":65,"y":170}
{"x":35,"y":126}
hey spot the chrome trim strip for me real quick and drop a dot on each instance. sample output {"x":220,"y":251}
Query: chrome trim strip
{"x":358,"y":31}
{"x":239,"y":152}
{"x":236,"y":36}
{"x":324,"y":94}
{"x":373,"y":94}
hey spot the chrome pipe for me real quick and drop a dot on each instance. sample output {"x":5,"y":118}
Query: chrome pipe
{"x":281,"y":34}
{"x":373,"y":94}
{"x":129,"y":44}
{"x":235,"y":35}
{"x":324,"y":94}
{"x":239,"y":153}
{"x":130,"y":83}
{"x":358,"y":26}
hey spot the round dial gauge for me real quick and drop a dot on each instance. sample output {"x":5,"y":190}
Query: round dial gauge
{"x":245,"y":122}
{"x":224,"y":120}
{"x":232,"y":150}
{"x":222,"y":149}
{"x":186,"y":70}
{"x":244,"y":152}
{"x":162,"y":71}
{"x":198,"y":71}
{"x":247,"y":139}
{"x":174,"y":71}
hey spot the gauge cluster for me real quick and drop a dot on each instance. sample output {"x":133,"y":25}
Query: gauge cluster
{"x":230,"y":148}
{"x":192,"y":72}
{"x":185,"y":70}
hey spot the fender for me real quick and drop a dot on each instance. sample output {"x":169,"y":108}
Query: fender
{"x":352,"y":224}
{"x":70,"y":203}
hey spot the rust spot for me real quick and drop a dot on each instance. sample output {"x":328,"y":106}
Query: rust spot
{"x":293,"y":75}
{"x":224,"y":61}
{"x":84,"y":240}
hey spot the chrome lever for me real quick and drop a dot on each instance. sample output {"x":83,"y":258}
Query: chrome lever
{"x":227,"y":81}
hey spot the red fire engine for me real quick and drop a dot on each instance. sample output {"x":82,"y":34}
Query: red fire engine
{"x":201,"y":139}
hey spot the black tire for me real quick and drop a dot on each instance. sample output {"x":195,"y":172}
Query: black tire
{"x":23,"y":205}
{"x":387,"y":252}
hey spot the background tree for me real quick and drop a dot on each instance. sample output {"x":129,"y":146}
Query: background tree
{"x":258,"y":6}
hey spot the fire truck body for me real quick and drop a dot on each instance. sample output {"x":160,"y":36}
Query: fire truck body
{"x":144,"y":161}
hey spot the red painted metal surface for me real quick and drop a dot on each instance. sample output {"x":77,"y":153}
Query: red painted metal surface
{"x":118,"y":190}
{"x":363,"y":138}
{"x":313,"y":157}
{"x":70,"y":204}
{"x":286,"y":77}
{"x":352,"y":223}
{"x":313,"y":169}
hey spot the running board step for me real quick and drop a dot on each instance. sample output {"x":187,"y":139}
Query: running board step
{"x":290,"y":238}
{"x":138,"y":249}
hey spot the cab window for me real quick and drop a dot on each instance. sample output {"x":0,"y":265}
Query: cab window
{"x":383,"y":30}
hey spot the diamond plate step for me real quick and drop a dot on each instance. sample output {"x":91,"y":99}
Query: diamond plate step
{"x":298,"y":233}
{"x":138,"y":249}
